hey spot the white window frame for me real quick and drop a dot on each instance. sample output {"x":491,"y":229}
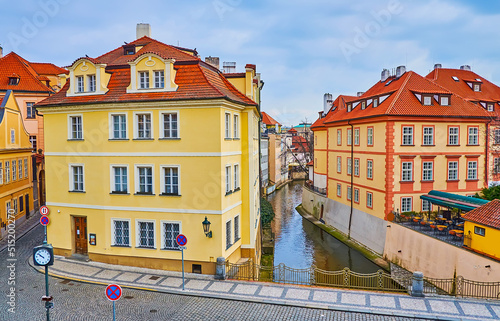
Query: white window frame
{"x":20,"y":168}
{"x":136,"y":124}
{"x":453,"y":136}
{"x":112,"y":178}
{"x":478,"y":230}
{"x":428,"y":135}
{"x":406,"y":171}
{"x":356,"y":195}
{"x":477,"y":87}
{"x":137,"y":178}
{"x":162,"y":179}
{"x":162,"y":124}
{"x":12,"y":136}
{"x":427,"y":100}
{"x":72,"y":166}
{"x":356,"y":136}
{"x":236,"y":175}
{"x":429,"y":206}
{"x":404,"y":204}
{"x":26,"y":171}
{"x":473,"y":138}
{"x":349,"y":192}
{"x":227,"y":125}
{"x":472,"y":170}
{"x":7,"y":172}
{"x":339,"y":190}
{"x":15,"y":205}
{"x":339,"y":164}
{"x":427,"y":172}
{"x":356,"y":167}
{"x":452,"y":170}
{"x":33,"y":140}
{"x":14,"y":169}
{"x":70,"y":127}
{"x":339,"y":136}
{"x":1,"y":173}
{"x":113,"y":235}
{"x":369,"y":136}
{"x":227,"y":176}
{"x":237,"y":231}
{"x":112,"y":126}
{"x":407,"y":137}
{"x":30,"y":110}
{"x":236,"y":126}
{"x":159,"y":79}
{"x":80,"y":84}
{"x":490,"y":107}
{"x":8,"y":206}
{"x":369,"y":169}
{"x":349,"y":165}
{"x":349,"y":136}
{"x":138,"y":233}
{"x":163,"y":235}
{"x":229,"y":239}
{"x":143,"y":76}
{"x":444,"y":101}
{"x":369,"y":199}
{"x":91,"y":82}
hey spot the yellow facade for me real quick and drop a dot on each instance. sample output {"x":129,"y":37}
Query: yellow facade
{"x":15,"y":163}
{"x":483,"y":239}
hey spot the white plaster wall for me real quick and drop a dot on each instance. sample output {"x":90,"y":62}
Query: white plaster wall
{"x":319,"y":180}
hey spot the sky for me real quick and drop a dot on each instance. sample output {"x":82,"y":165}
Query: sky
{"x":302,"y":49}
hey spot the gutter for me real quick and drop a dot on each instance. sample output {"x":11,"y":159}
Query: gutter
{"x":352,"y":177}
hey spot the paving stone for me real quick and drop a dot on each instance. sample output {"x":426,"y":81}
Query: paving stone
{"x":297,"y":294}
{"x":107,"y":274}
{"x":128,"y":277}
{"x":412,"y":304}
{"x":443,"y":306}
{"x":147,"y":279}
{"x":196,"y":284}
{"x":350,"y":298}
{"x":220,"y":287}
{"x":172,"y":282}
{"x":325,"y":296}
{"x":82,"y":269}
{"x":245,"y":289}
{"x":475,"y":309}
{"x":382,"y":301}
{"x":271,"y":291}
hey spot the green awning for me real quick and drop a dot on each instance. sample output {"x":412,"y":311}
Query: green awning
{"x":450,"y":200}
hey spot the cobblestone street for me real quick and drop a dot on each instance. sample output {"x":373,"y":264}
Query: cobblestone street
{"x":79,"y":301}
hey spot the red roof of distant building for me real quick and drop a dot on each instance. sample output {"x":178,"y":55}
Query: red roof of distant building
{"x":43,"y":68}
{"x":268,"y":120}
{"x":488,"y":214}
{"x":311,"y":163}
{"x":293,"y":130}
{"x":300,"y":144}
{"x":195,"y":78}
{"x":339,"y":103}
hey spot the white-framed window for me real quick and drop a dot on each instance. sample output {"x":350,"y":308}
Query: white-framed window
{"x":349,"y":136}
{"x":339,"y":190}
{"x":369,"y":136}
{"x":170,"y":180}
{"x":369,"y":199}
{"x":33,"y":142}
{"x":491,"y":107}
{"x":20,"y":168}
{"x":407,"y":135}
{"x":143,"y":126}
{"x":479,"y":230}
{"x":118,"y":126}
{"x":143,"y":79}
{"x":25,"y":168}
{"x":406,"y":171}
{"x":30,"y":110}
{"x":356,"y":167}
{"x":426,"y":206}
{"x":227,"y":125}
{"x":339,"y":164}
{"x":169,"y":124}
{"x":119,"y":179}
{"x":356,"y":136}
{"x":228,"y":234}
{"x":236,"y":228}
{"x":236,"y":177}
{"x":91,"y":82}
{"x":159,"y":79}
{"x":120,"y":231}
{"x":228,"y":179}
{"x":472,"y":170}
{"x":444,"y":101}
{"x":428,"y":138}
{"x":144,"y":179}
{"x":427,"y":171}
{"x":80,"y":84}
{"x":473,"y":136}
{"x":349,"y":193}
{"x":7,"y":172}
{"x":339,"y":136}
{"x":14,"y":202}
{"x":497,"y":136}
{"x":146,"y":233}
{"x":236,"y":126}
{"x":1,"y":173}
{"x":8,"y":206}
{"x":375,"y":102}
{"x":427,"y":100}
{"x":349,"y":166}
{"x":453,"y":171}
{"x":477,"y":87}
{"x":12,"y":136}
{"x":14,"y":170}
{"x":369,"y":169}
{"x":169,"y":233}
{"x":356,"y":195}
{"x":77,"y":178}
{"x":406,"y":204}
{"x":75,"y":128}
{"x":453,"y":136}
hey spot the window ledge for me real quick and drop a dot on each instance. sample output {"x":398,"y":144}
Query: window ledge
{"x":236,"y":240}
{"x":30,"y":117}
{"x":169,"y":138}
{"x":236,"y":138}
{"x":472,"y":145}
{"x":229,"y":193}
{"x":119,"y":193}
{"x":424,"y":145}
{"x":228,"y":138}
{"x":77,"y":192}
{"x":175,"y":250}
{"x":453,"y":145}
{"x":167,"y":194}
{"x":427,"y":181}
{"x":236,"y":190}
{"x":143,"y":139}
{"x":146,"y":247}
{"x":472,"y":180}
{"x":407,"y":145}
{"x":145,"y":194}
{"x":115,"y":245}
{"x":75,"y":139}
{"x":118,"y":139}
{"x":406,"y":182}
{"x":452,"y":180}
{"x":229,"y":246}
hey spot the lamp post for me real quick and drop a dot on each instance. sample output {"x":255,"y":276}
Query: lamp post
{"x":206,"y":227}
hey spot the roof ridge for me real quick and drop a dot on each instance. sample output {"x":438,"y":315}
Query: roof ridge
{"x":400,"y":90}
{"x":173,"y":47}
{"x":30,"y":72}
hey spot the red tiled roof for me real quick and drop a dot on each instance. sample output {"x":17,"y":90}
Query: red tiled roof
{"x":43,"y":68}
{"x":311,"y":163}
{"x":402,"y":101}
{"x":300,"y":144}
{"x":443,"y":77}
{"x":293,"y":130}
{"x":13,"y":64}
{"x":268,"y":120}
{"x":339,"y":103}
{"x":488,"y":214}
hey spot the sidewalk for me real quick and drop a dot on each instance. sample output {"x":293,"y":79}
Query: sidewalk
{"x":22,"y":228}
{"x":436,"y":307}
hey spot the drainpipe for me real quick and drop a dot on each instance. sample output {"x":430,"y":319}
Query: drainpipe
{"x":352,"y":176}
{"x":260,"y":133}
{"x":487,"y":156}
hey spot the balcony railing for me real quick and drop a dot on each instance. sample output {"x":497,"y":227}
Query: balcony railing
{"x":310,"y":186}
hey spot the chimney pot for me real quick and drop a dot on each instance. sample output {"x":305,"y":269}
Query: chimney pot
{"x":1,"y":52}
{"x":360,"y":93}
{"x":438,"y":66}
{"x":214,"y":61}
{"x":400,"y":70}
{"x":327,"y":103}
{"x":384,"y":75}
{"x":465,"y":67}
{"x":143,"y":29}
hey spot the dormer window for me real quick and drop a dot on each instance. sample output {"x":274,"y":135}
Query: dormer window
{"x":349,"y":107}
{"x":159,"y":79}
{"x":129,"y":50}
{"x":143,"y":79}
{"x":363,"y":104}
{"x":444,"y":101}
{"x":13,"y":81}
{"x":87,"y":78}
{"x":427,"y":100}
{"x":375,"y":102}
{"x":91,"y":82}
{"x":477,"y":87}
{"x":491,"y":107}
{"x":80,"y":87}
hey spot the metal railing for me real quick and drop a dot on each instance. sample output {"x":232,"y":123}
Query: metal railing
{"x":463,"y":287}
{"x":313,"y":188}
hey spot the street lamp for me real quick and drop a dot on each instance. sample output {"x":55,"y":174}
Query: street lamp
{"x":206,"y":227}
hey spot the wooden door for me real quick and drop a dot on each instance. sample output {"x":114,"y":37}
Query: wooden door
{"x":81,"y":235}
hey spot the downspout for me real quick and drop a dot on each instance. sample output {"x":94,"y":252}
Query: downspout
{"x":487,"y":156}
{"x":352,"y":176}
{"x":260,"y":133}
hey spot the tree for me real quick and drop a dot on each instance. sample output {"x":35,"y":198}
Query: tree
{"x":490,"y":193}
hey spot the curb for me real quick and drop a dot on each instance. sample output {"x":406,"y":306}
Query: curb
{"x":18,"y":236}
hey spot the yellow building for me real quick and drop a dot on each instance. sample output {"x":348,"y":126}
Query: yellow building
{"x":155,"y":141}
{"x":482,"y":229}
{"x":16,"y":196}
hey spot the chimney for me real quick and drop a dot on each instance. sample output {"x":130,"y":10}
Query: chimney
{"x":228,"y":67}
{"x":465,"y":67}
{"x":143,"y":29}
{"x":1,"y":52}
{"x":438,"y":66}
{"x":214,"y":61}
{"x":360,"y":93}
{"x":385,"y":75}
{"x":400,"y":70}
{"x":327,"y":103}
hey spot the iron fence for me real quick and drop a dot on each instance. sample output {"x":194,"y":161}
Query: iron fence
{"x":463,"y":287}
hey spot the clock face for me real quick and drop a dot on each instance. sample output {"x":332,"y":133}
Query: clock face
{"x":42,"y":257}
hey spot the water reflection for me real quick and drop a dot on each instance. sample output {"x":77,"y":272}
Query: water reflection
{"x":300,"y":244}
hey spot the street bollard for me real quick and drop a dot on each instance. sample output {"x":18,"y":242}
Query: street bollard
{"x":220,"y":269}
{"x":417,"y":288}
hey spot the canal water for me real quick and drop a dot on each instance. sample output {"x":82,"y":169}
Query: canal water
{"x":300,"y":244}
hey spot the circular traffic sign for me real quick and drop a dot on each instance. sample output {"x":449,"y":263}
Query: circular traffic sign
{"x":44,"y":220}
{"x":181,"y":240}
{"x":113,"y":292}
{"x":44,"y":210}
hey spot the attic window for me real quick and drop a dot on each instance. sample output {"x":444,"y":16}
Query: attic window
{"x":363,"y":104}
{"x":387,"y":84}
{"x":477,"y":87}
{"x":349,"y":107}
{"x":491,"y":107}
{"x":444,"y":100}
{"x":375,"y":102}
{"x":427,"y":100}
{"x":455,"y":78}
{"x":13,"y":81}
{"x":129,"y":50}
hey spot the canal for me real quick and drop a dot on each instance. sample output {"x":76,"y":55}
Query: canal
{"x":300,"y":244}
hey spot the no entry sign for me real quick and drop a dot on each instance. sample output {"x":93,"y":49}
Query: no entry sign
{"x":44,"y":210}
{"x":113,"y":292}
{"x":44,"y":220}
{"x":181,"y":240}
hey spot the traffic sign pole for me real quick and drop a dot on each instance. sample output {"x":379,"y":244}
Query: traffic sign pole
{"x":114,"y":311}
{"x":182,"y":241}
{"x":182,"y":251}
